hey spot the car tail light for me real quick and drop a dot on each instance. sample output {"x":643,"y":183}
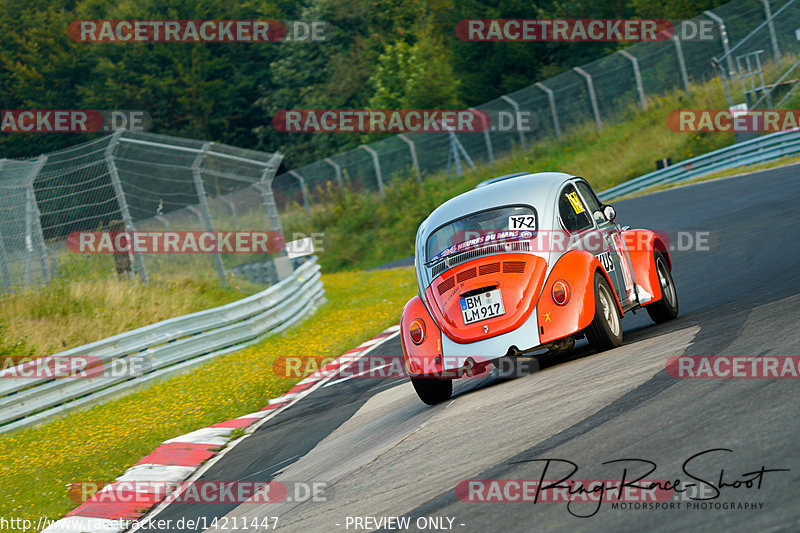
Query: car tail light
{"x":417,"y":331}
{"x":560,"y":292}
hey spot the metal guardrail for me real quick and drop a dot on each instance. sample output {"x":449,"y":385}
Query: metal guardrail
{"x":158,"y":349}
{"x":759,"y":150}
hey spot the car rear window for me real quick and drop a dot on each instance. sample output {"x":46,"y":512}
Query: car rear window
{"x":491,"y":221}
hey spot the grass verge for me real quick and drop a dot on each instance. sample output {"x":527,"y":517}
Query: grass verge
{"x":99,"y":443}
{"x":49,"y":319}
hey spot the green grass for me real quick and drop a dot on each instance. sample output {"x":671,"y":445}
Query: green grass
{"x":99,"y":443}
{"x":48,"y":319}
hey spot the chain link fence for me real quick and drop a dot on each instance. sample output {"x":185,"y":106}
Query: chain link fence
{"x":130,"y":181}
{"x":147,"y":182}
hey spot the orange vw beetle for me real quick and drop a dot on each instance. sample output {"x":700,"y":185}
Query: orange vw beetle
{"x":525,"y":262}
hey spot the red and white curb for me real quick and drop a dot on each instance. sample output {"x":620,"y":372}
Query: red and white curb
{"x":189,"y":455}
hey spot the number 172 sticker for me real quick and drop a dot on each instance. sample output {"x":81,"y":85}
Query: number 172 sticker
{"x":522,"y":222}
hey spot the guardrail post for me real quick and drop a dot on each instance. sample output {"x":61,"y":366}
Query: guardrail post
{"x":592,"y":96}
{"x":377,"y":163}
{"x":636,"y":75}
{"x":768,"y":14}
{"x":681,"y":63}
{"x":723,"y":34}
{"x":551,"y":98}
{"x":517,"y":120}
{"x":303,"y":189}
{"x":336,"y":167}
{"x":121,"y":200}
{"x":486,"y":137}
{"x":205,"y":214}
{"x":413,"y":151}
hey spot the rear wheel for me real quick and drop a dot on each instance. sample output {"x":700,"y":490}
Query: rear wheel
{"x":433,"y":390}
{"x":605,"y":330}
{"x":667,"y":307}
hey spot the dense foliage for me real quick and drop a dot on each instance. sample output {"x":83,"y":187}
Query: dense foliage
{"x":383,"y":54}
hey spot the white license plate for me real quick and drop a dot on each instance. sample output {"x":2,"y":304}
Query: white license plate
{"x":482,"y":306}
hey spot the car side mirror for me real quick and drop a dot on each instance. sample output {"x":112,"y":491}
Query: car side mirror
{"x":610,"y":213}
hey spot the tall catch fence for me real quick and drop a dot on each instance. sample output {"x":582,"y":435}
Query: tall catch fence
{"x":131,"y":181}
{"x":601,"y":92}
{"x":148,"y":182}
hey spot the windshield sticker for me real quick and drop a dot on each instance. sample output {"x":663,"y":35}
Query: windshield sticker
{"x":522,"y":222}
{"x":484,"y":239}
{"x":577,"y":206}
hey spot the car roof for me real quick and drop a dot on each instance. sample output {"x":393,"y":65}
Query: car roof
{"x":536,"y":189}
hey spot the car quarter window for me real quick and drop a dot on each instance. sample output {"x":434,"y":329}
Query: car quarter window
{"x":591,"y":201}
{"x":572,"y":210}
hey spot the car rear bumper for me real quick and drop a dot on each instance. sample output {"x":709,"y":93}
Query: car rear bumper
{"x":522,"y":338}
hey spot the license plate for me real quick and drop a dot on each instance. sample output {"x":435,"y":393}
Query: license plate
{"x":482,"y":306}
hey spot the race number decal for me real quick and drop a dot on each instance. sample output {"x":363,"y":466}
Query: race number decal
{"x":577,"y":206}
{"x":522,"y":222}
{"x":606,"y":261}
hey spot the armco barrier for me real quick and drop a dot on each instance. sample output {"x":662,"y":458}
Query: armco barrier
{"x":164,"y":348}
{"x":759,"y":150}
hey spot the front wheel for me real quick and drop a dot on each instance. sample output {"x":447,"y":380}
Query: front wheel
{"x":605,"y":330}
{"x":433,"y":390}
{"x":667,"y":307}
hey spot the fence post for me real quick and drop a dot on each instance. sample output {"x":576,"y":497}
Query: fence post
{"x":486,"y":137}
{"x":338,"y":168}
{"x":4,"y":271}
{"x":264,"y":186}
{"x":768,"y":14}
{"x":413,"y":150}
{"x":723,"y":33}
{"x":119,"y":192}
{"x":205,"y":214}
{"x":551,"y":98}
{"x":517,"y":120}
{"x":637,"y":76}
{"x":303,"y":189}
{"x":377,"y":164}
{"x":230,"y":203}
{"x":592,"y":96}
{"x":163,"y":220}
{"x":681,"y":64}
{"x":33,"y":226}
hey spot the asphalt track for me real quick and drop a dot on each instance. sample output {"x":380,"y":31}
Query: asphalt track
{"x":382,"y":453}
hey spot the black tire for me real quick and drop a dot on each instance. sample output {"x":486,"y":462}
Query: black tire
{"x":667,"y":307}
{"x":433,"y":390}
{"x":605,"y":330}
